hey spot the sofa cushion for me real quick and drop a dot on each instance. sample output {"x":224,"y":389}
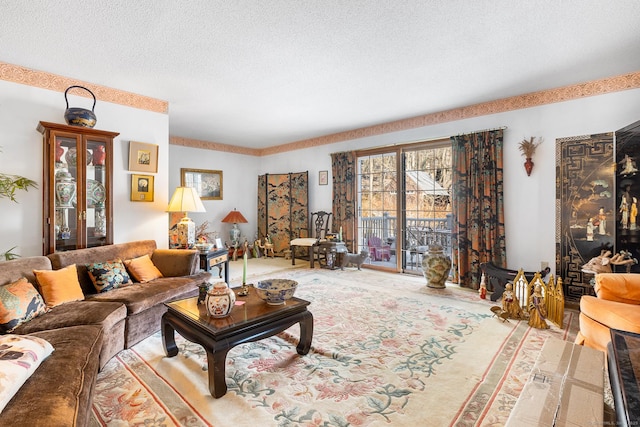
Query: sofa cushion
{"x":60,"y":391}
{"x":142,"y":269}
{"x":108,"y":275}
{"x":59,"y":286}
{"x":625,"y":317}
{"x":105,"y":314}
{"x":19,"y":303}
{"x":621,"y":287}
{"x":142,"y":296}
{"x":20,"y":356}
{"x":23,"y":267}
{"x":84,"y":256}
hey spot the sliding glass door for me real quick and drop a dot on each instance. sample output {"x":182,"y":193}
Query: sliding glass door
{"x":404,"y":204}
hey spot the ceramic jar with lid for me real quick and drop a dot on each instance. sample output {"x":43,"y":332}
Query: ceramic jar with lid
{"x":220,"y":300}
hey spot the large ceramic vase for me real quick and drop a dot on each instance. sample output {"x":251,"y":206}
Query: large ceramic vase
{"x":436,"y":266}
{"x":220,"y":300}
{"x":65,"y":189}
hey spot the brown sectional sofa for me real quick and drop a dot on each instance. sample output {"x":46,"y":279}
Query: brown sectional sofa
{"x":87,"y":334}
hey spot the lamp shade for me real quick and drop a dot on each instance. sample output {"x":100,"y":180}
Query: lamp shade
{"x":235,"y":217}
{"x":186,"y":199}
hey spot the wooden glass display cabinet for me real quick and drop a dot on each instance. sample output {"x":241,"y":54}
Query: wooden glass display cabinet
{"x":77,"y":184}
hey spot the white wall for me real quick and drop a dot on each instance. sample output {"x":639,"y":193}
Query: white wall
{"x":529,"y":201}
{"x":239,"y":186}
{"x":21,"y":108}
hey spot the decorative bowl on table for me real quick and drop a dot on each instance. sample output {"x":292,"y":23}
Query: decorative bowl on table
{"x":276,"y":291}
{"x":204,"y":247}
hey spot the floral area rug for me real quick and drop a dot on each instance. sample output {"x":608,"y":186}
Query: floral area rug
{"x":386,"y":350}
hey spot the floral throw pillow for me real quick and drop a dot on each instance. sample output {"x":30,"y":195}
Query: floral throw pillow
{"x":19,"y":303}
{"x":108,"y":275}
{"x":20,"y":356}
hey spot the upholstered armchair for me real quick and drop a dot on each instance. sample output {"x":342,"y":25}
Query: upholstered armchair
{"x":617,"y":306}
{"x":310,"y":237}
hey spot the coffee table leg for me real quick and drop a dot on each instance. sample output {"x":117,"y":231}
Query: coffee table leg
{"x":168,"y":338}
{"x":216,"y":362}
{"x":306,"y":333}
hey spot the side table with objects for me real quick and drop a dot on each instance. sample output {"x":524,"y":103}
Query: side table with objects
{"x":332,"y":251}
{"x":215,"y":258}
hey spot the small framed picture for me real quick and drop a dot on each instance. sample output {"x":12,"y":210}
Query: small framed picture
{"x":208,"y":183}
{"x":142,"y":188}
{"x":143,"y":157}
{"x":323,"y":178}
{"x":219,"y":243}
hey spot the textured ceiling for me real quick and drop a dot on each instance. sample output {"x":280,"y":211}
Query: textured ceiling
{"x":262,"y":73}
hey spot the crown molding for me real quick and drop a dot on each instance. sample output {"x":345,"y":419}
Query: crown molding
{"x":44,"y":80}
{"x":41,"y":79}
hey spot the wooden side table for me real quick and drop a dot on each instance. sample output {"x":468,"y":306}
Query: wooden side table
{"x":332,"y":250}
{"x":216,"y":258}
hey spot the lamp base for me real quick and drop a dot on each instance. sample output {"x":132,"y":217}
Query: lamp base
{"x":186,"y":233}
{"x":234,"y":235}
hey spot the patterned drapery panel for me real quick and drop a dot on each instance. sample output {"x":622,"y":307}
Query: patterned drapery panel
{"x":477,"y":205}
{"x":344,"y":196}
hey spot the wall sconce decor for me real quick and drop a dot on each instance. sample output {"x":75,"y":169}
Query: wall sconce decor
{"x":234,"y":217}
{"x":528,"y":148}
{"x":186,"y":199}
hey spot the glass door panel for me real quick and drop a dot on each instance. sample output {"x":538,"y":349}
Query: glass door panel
{"x":377,"y":201}
{"x":66,"y":188}
{"x":96,"y":193}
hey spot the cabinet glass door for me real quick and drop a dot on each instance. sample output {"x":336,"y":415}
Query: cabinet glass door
{"x":66,"y":190}
{"x":95,"y":224}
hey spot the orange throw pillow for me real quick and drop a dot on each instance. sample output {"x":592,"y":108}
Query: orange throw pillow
{"x":142,"y":269}
{"x":59,"y":286}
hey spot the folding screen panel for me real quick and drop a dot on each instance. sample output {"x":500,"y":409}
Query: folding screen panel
{"x":283,"y":207}
{"x":585,"y":207}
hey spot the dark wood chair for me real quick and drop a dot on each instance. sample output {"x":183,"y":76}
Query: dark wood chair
{"x":319,"y":225}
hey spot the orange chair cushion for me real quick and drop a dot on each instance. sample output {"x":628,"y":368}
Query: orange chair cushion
{"x":612,"y":314}
{"x":621,"y":287}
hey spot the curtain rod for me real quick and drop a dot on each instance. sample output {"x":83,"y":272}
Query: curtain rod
{"x":420,"y":140}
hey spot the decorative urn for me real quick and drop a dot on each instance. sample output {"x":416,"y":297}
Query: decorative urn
{"x":220,"y":300}
{"x":65,"y":189}
{"x":436,"y":266}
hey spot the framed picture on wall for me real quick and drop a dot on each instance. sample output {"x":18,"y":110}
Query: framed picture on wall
{"x":142,"y":188}
{"x":143,"y":157}
{"x":208,"y":183}
{"x":323,"y":178}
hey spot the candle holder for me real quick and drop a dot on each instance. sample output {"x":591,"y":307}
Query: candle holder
{"x":244,"y":290}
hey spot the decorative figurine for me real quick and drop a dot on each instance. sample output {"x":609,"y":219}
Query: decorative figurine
{"x":633,"y":213}
{"x":511,"y":304}
{"x":537,"y":309}
{"x":629,"y":166}
{"x":590,"y":228}
{"x":624,"y":210}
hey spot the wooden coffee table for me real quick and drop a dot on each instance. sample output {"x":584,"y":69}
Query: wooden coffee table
{"x":252,"y":321}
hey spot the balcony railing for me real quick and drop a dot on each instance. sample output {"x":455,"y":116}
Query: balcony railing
{"x":419,"y":233}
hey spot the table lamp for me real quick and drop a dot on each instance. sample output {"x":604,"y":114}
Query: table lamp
{"x":234,"y":217}
{"x":186,"y":199}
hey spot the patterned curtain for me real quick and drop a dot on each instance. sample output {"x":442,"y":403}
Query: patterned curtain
{"x":344,"y":196}
{"x":477,"y":205}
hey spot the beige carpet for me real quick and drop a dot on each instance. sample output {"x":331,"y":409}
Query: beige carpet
{"x":386,"y":351}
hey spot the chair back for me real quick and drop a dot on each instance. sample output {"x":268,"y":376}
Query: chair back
{"x":319,"y":224}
